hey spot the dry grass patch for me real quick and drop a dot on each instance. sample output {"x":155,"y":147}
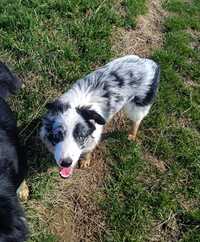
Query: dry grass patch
{"x":146,"y":37}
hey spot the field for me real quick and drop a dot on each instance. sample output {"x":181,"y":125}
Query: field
{"x":143,"y":191}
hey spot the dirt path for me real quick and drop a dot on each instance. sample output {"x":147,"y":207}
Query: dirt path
{"x":146,"y":37}
{"x":84,"y":220}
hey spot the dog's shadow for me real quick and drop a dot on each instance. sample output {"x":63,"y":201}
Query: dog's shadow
{"x":39,"y":159}
{"x":113,"y":135}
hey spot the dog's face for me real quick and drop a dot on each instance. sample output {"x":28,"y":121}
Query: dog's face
{"x":68,"y":132}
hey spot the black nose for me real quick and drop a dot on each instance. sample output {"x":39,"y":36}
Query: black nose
{"x":66,"y":162}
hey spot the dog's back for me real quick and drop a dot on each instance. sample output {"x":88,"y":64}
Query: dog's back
{"x":12,"y":166}
{"x":109,"y":88}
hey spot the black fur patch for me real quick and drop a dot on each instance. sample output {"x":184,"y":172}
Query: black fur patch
{"x":119,"y":98}
{"x":9,"y":139}
{"x":57,"y":107}
{"x":118,"y":79}
{"x":7,"y":118}
{"x":12,"y":227}
{"x":58,"y":136}
{"x":131,"y":74}
{"x":106,"y":95}
{"x":89,"y":114}
{"x":9,"y":83}
{"x":48,"y":124}
{"x":54,"y":135}
{"x":148,"y":99}
{"x":81,"y":132}
{"x":107,"y":92}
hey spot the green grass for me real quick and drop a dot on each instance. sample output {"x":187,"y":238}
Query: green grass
{"x":140,"y":197}
{"x":53,"y":43}
{"x":127,"y":199}
{"x":132,"y":9}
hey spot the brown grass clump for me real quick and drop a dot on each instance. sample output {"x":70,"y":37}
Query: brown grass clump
{"x":168,"y":230}
{"x":159,"y":164}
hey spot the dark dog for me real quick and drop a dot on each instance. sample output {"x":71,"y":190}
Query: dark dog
{"x":13,"y":227}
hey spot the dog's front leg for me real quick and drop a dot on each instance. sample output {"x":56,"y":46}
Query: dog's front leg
{"x":85,"y":162}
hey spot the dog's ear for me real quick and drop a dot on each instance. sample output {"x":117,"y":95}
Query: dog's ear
{"x":89,"y":114}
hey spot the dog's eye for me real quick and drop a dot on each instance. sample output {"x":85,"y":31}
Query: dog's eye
{"x":56,"y":135}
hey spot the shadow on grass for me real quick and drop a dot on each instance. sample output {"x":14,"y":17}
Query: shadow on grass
{"x":38,"y":157}
{"x":113,"y":135}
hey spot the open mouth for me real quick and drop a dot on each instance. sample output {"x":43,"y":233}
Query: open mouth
{"x":65,"y":172}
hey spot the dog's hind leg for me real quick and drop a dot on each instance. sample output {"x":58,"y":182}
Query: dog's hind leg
{"x":133,"y":131}
{"x":23,"y":191}
{"x":135,"y":113}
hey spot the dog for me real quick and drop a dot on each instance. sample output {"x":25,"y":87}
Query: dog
{"x":74,"y":122}
{"x":13,"y":167}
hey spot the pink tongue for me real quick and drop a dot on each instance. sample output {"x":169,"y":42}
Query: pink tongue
{"x":66,"y":171}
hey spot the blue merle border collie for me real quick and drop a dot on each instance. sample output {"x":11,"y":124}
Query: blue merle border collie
{"x":74,"y":122}
{"x":13,"y":226}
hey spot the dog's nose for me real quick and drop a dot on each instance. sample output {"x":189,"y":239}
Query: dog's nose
{"x":66,"y":162}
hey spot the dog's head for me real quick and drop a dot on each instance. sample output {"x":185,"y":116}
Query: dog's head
{"x":68,"y":132}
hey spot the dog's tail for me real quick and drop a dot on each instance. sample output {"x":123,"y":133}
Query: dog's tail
{"x":9,"y":83}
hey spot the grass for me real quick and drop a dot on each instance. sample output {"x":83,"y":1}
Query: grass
{"x":50,"y":44}
{"x":127,"y":199}
{"x":145,"y":203}
{"x":133,"y":8}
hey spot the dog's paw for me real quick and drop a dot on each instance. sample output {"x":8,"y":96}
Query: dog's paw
{"x":132,"y":137}
{"x":85,"y":163}
{"x":23,"y":191}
